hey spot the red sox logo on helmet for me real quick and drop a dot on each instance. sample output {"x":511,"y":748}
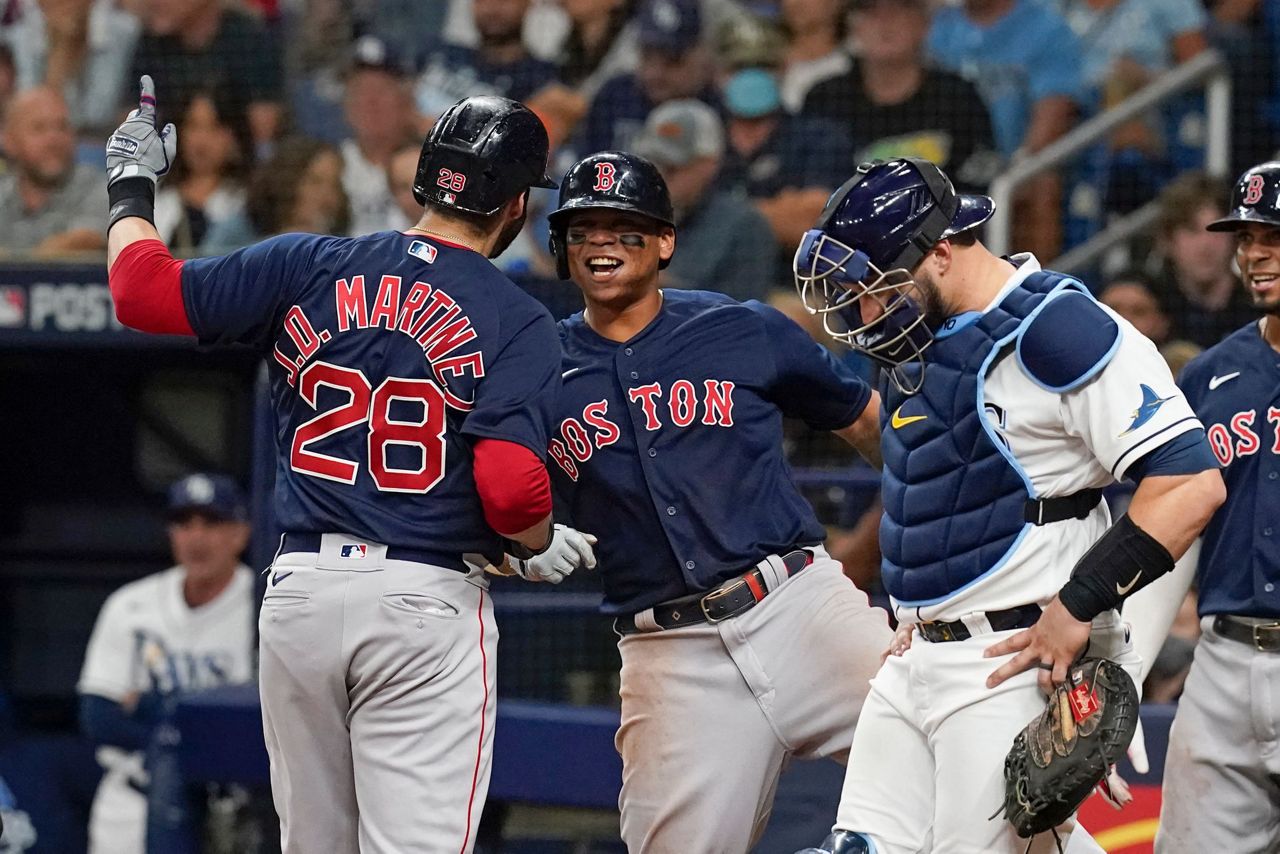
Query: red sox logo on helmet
{"x":605,"y":173}
{"x":1253,"y":192}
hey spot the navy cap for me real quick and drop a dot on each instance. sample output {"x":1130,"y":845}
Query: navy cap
{"x":376,"y":54}
{"x":214,"y":495}
{"x":673,"y":26}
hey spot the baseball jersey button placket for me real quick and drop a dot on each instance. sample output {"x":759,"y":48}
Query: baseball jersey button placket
{"x":671,"y":510}
{"x":635,"y":375}
{"x":629,"y":351}
{"x":688,"y":564}
{"x":652,"y":452}
{"x":1269,"y":587}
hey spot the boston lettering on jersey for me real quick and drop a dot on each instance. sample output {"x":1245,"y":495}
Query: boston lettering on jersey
{"x":1234,"y":388}
{"x":684,"y":405}
{"x":389,"y":356}
{"x":669,"y":445}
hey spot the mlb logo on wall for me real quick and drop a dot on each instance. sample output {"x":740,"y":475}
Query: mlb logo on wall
{"x":13,"y":307}
{"x":355,"y":551}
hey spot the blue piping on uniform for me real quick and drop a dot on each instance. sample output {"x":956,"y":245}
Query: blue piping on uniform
{"x":1004,"y":452}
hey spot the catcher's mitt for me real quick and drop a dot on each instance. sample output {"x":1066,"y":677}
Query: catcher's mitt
{"x":1059,"y":757}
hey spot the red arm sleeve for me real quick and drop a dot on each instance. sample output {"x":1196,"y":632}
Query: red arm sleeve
{"x":514,"y":487}
{"x":146,"y":286}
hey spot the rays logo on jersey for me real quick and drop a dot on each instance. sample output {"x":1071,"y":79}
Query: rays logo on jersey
{"x":355,"y":551}
{"x":170,"y":670}
{"x":1151,"y":403}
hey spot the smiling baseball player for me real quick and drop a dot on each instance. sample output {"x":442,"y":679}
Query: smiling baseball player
{"x":1221,"y":771}
{"x":412,"y":385}
{"x":1011,"y":398}
{"x":742,"y":642}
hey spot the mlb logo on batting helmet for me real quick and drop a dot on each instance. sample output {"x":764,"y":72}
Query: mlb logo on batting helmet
{"x":356,"y":551}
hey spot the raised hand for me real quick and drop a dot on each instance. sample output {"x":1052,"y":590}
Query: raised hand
{"x":137,"y":149}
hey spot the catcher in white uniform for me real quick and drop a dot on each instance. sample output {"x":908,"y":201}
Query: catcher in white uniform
{"x":186,"y":628}
{"x":1011,"y":397}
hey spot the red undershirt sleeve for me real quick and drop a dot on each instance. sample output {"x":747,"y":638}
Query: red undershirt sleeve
{"x":515,"y":490}
{"x":146,"y":286}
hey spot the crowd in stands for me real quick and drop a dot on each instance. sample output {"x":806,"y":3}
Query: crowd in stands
{"x":782,"y":98}
{"x":307,"y":115}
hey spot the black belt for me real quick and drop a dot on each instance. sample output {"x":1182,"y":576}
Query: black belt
{"x":1077,"y":505}
{"x":728,"y":600}
{"x":1022,"y":617}
{"x":1264,"y":637}
{"x":310,"y":542}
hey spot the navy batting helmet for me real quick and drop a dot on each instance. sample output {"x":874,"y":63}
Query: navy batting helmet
{"x":612,"y":180}
{"x":1255,"y":198}
{"x":874,"y":230}
{"x":481,"y":153}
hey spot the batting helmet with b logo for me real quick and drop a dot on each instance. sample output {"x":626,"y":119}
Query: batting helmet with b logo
{"x":612,"y":180}
{"x":1255,"y":198}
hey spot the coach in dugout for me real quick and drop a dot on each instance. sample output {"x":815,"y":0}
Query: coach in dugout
{"x":186,"y":628}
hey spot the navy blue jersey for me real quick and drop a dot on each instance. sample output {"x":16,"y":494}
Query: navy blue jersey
{"x":669,"y":446}
{"x":1234,"y":388}
{"x":388,"y":355}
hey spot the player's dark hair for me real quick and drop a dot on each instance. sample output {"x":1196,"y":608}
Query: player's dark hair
{"x":968,"y":237}
{"x":273,"y":189}
{"x":1183,"y":199}
{"x":474,"y":221}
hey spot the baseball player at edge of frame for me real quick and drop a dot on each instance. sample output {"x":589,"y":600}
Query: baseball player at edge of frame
{"x":742,"y":642}
{"x":1221,"y":769}
{"x":1011,"y":397}
{"x":412,"y":385}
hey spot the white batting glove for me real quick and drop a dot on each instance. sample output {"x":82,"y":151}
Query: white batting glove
{"x":138,"y":149}
{"x":569,"y":549}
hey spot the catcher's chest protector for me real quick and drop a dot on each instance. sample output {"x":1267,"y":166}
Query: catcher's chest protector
{"x":953,"y":493}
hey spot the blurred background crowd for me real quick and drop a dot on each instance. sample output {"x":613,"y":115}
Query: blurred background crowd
{"x":308,"y":115}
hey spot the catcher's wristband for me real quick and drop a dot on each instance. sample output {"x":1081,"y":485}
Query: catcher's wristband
{"x":1122,"y":562}
{"x":131,"y":197}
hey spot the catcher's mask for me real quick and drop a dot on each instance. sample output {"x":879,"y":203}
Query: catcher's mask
{"x":860,"y":255}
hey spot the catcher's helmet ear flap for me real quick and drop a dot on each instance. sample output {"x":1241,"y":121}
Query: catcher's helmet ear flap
{"x":611,"y":180}
{"x":1255,"y":198}
{"x":481,"y":153}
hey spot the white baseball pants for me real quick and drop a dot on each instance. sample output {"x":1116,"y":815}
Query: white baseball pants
{"x":927,"y":766}
{"x":377,"y":682}
{"x":1222,"y":771}
{"x":711,"y":713}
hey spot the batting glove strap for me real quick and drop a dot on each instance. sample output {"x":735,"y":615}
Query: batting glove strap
{"x":131,"y":197}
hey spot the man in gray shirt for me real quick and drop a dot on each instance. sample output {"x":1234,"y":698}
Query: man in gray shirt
{"x":725,"y":243}
{"x":49,"y":205}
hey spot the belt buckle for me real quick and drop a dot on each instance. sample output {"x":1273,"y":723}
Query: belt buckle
{"x":1266,"y":637}
{"x":716,"y":594}
{"x":943,"y":631}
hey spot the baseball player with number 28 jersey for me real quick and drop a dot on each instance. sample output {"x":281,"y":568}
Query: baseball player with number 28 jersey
{"x":1012,"y":398}
{"x":742,"y":642}
{"x":1220,"y":773}
{"x":412,"y":385}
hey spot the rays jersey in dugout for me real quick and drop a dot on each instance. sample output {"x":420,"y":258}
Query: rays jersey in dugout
{"x":388,"y":355}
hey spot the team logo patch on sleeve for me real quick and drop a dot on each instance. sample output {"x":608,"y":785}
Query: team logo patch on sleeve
{"x":1151,"y":403}
{"x":355,"y":551}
